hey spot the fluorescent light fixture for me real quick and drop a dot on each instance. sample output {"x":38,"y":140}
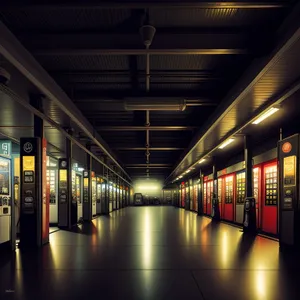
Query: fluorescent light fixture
{"x":180,"y":177}
{"x":265,"y":115}
{"x":80,"y":169}
{"x":226,"y":143}
{"x":187,"y":171}
{"x":201,"y":161}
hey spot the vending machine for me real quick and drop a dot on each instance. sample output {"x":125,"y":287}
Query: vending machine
{"x":99,"y":190}
{"x":104,"y":197}
{"x":229,"y":197}
{"x":110,"y":197}
{"x":187,"y":195}
{"x":118,"y":194}
{"x":94,"y":194}
{"x":182,"y":194}
{"x":5,"y":200}
{"x":221,"y":196}
{"x":209,"y":192}
{"x":52,"y":190}
{"x":269,"y":198}
{"x":257,"y":193}
{"x":78,"y":188}
{"x":205,"y":197}
{"x":240,"y":196}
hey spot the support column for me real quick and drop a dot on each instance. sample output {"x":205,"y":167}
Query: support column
{"x":248,"y":166}
{"x":200,"y":194}
{"x":215,"y":200}
{"x":72,"y":201}
{"x":87,"y":189}
{"x":249,"y":220}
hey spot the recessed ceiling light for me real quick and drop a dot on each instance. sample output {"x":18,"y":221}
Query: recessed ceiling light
{"x":226,"y":143}
{"x":265,"y":115}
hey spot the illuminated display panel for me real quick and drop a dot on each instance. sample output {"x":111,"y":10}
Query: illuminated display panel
{"x":240,"y":187}
{"x":229,"y":189}
{"x":4,"y":177}
{"x":271,"y":185}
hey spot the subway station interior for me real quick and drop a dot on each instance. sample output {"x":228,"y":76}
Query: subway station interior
{"x":150,"y":149}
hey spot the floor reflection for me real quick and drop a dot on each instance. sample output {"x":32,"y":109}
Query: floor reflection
{"x":138,"y":247}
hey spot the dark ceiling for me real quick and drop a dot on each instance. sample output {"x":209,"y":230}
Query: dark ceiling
{"x":96,"y":54}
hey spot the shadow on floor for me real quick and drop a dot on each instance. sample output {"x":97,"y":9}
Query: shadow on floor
{"x":245,"y":245}
{"x":85,"y":228}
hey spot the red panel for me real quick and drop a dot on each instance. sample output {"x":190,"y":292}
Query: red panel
{"x":228,"y":207}
{"x":205,"y":198}
{"x":221,"y":196}
{"x":269,"y":212}
{"x":183,"y":197}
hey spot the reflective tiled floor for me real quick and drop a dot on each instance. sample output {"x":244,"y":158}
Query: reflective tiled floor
{"x":152,"y":253}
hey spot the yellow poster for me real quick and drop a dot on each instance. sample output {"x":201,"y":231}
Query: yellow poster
{"x":289,"y":170}
{"x":63,"y":175}
{"x":28,"y":163}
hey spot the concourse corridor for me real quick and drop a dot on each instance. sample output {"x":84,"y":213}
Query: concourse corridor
{"x":151,"y":253}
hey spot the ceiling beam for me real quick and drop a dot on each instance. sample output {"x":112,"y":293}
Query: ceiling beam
{"x":147,"y":165}
{"x":126,"y":52}
{"x":147,"y":4}
{"x":144,"y":128}
{"x":126,"y":73}
{"x":144,"y":149}
{"x":140,"y":167}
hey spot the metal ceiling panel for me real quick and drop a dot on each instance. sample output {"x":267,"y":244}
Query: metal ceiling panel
{"x":213,"y":17}
{"x":279,"y":74}
{"x":55,"y":63}
{"x":60,"y":19}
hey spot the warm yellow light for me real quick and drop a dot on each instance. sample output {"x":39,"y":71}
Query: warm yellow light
{"x":201,"y":161}
{"x":265,"y":115}
{"x":226,"y":143}
{"x":147,"y":187}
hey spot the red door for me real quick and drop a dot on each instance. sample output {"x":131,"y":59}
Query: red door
{"x":183,"y":196}
{"x":205,"y":198}
{"x":229,"y":197}
{"x":269,"y":198}
{"x":220,"y":196}
{"x":209,"y":196}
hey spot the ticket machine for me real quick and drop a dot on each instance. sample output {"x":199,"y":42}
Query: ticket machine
{"x":34,"y":213}
{"x":67,"y":202}
{"x":87,"y":196}
{"x":289,"y":182}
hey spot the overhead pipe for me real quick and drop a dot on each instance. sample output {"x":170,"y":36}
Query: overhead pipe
{"x":147,"y":32}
